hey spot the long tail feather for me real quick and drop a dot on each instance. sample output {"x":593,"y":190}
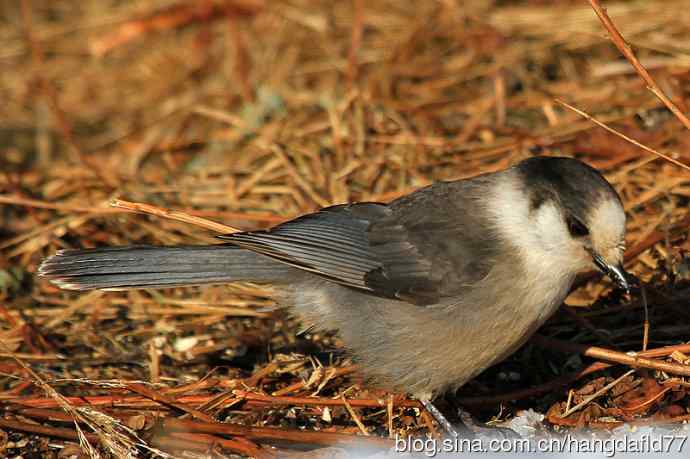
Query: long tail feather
{"x":120,"y":268}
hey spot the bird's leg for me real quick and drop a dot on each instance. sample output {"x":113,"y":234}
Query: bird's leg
{"x":468,"y":425}
{"x":440,"y":418}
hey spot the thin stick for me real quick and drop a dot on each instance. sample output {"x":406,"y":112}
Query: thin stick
{"x":389,"y":412}
{"x":595,"y":395}
{"x":163,"y":399}
{"x":62,"y":402}
{"x":631,"y":359}
{"x":626,"y":50}
{"x":262,"y":434}
{"x":322,"y":401}
{"x":173,"y":215}
{"x":569,"y":400}
{"x":354,"y":416}
{"x":20,"y":201}
{"x":561,"y":381}
{"x":55,"y":432}
{"x":97,"y":209}
{"x":621,"y":135}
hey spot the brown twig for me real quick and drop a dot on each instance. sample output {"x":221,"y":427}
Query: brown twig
{"x":564,"y":380}
{"x":129,"y":401}
{"x":627,"y":51}
{"x":59,"y":400}
{"x":195,"y":442}
{"x":597,"y":394}
{"x":263,"y":434}
{"x":321,"y":401}
{"x":113,"y":400}
{"x":655,"y":237}
{"x":97,"y":209}
{"x":173,"y":215}
{"x":623,"y":136}
{"x":57,"y":432}
{"x":166,"y":400}
{"x":635,"y":360}
{"x":354,"y":416}
{"x":172,"y":17}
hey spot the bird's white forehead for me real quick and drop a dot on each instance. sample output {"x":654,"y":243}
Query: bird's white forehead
{"x":607,"y":222}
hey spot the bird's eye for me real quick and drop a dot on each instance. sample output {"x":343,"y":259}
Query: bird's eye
{"x":576,"y":227}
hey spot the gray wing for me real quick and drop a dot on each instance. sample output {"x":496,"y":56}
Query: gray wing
{"x":416,"y":249}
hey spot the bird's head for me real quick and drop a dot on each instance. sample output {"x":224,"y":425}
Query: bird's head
{"x":573,"y":204}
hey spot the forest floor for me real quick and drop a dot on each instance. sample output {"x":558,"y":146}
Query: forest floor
{"x":250,"y":113}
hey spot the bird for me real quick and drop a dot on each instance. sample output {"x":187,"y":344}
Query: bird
{"x":426,"y":291}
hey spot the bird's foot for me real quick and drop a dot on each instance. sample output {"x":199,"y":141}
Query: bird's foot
{"x":439,"y":417}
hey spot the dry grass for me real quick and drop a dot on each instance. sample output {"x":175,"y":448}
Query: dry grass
{"x":250,"y":113}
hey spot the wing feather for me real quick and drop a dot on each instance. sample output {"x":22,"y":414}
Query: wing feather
{"x":393,"y":251}
{"x":331,"y":243}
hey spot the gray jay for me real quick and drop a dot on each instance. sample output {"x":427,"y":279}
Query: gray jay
{"x":426,"y":291}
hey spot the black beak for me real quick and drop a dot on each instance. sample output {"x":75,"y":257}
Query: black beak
{"x":616,"y":273}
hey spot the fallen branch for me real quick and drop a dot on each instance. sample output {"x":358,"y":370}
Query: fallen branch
{"x":627,"y":51}
{"x":173,"y":215}
{"x":632,"y":359}
{"x":57,"y":432}
{"x":321,"y":401}
{"x":623,"y":136}
{"x":275,"y":434}
{"x":564,"y":380}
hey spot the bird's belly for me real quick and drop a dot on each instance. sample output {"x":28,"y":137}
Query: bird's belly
{"x":423,"y":350}
{"x":492,"y":334}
